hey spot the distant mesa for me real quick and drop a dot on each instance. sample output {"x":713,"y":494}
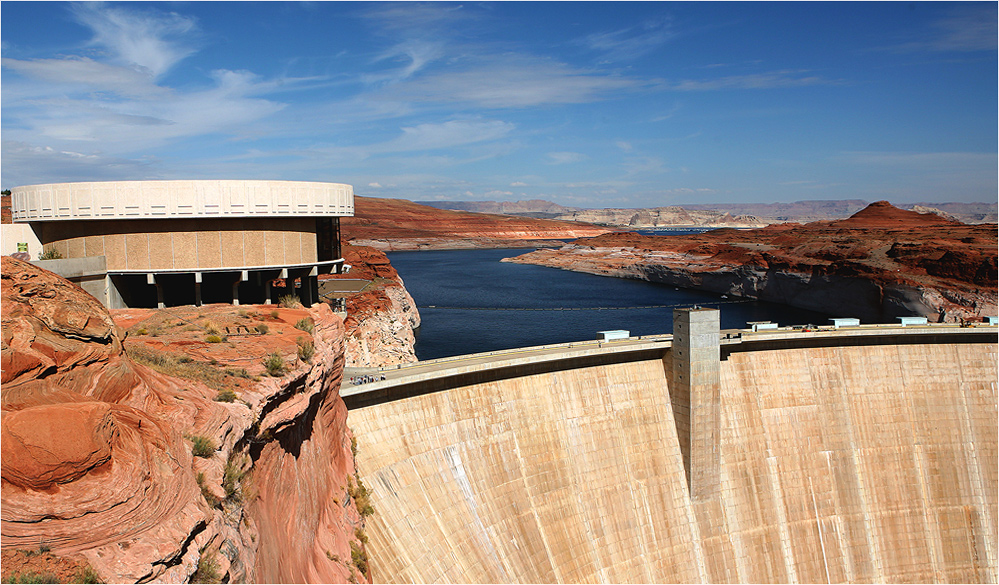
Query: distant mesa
{"x":714,"y":214}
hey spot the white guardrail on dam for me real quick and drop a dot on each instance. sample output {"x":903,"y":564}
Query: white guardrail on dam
{"x":360,"y":381}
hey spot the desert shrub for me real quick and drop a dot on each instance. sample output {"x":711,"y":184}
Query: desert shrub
{"x":31,"y":576}
{"x":180,"y":366}
{"x":205,"y":492}
{"x":306,"y":324}
{"x":243,"y":313}
{"x":359,"y":557}
{"x":360,"y":535}
{"x":361,"y":495}
{"x":353,"y":446}
{"x":274,"y":364}
{"x":211,"y":328}
{"x":226,"y":395}
{"x":203,"y":447}
{"x":231,"y":478}
{"x":141,"y":332}
{"x":86,"y":574}
{"x":50,"y":254}
{"x":208,"y":569}
{"x":238,"y":373}
{"x":275,"y":314}
{"x":213,"y":339}
{"x":306,"y":349}
{"x":262,"y":328}
{"x":290,"y":301}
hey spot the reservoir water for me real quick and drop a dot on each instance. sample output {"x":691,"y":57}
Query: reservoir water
{"x":470,"y":302}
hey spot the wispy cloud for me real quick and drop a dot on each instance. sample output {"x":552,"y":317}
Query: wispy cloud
{"x":151,"y":40}
{"x":512,"y":81}
{"x":921,"y":159}
{"x":445,"y":135}
{"x":561,"y":158}
{"x":630,"y":43}
{"x":768,"y":80}
{"x":968,"y":28}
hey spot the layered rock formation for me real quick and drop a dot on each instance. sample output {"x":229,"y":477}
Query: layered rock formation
{"x":381,"y":318}
{"x":395,"y":224}
{"x":880,"y":263}
{"x":145,"y":469}
{"x":661,"y":217}
{"x":741,"y":213}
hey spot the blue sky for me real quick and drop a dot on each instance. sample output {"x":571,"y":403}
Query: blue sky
{"x":586,"y":104}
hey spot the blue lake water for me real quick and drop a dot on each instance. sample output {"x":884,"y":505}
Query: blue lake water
{"x":471,"y":302}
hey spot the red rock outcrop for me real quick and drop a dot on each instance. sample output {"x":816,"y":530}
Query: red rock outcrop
{"x":97,"y":449}
{"x":381,"y":319}
{"x":880,"y":263}
{"x":396,"y":224}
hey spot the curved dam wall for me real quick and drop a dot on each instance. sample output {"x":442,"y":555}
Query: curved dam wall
{"x":836,"y":464}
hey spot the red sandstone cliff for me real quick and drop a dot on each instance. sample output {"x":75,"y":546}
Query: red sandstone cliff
{"x":381,"y":319}
{"x":396,"y":224}
{"x":98,"y":448}
{"x":880,"y":263}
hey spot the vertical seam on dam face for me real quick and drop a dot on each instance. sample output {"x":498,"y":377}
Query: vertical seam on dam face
{"x":825,"y":461}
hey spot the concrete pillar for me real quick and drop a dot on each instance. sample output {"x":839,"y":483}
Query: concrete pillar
{"x":197,"y":289}
{"x":243,"y":277}
{"x":696,"y":397}
{"x":151,"y":279}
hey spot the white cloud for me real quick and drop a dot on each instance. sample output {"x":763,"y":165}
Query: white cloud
{"x":630,"y":43}
{"x":445,"y":135}
{"x":769,"y":80}
{"x":967,"y":28}
{"x":416,"y":55}
{"x":25,"y":164}
{"x":518,"y":184}
{"x":374,"y":185}
{"x":511,"y":81}
{"x":623,"y":145}
{"x":645,"y":165}
{"x":561,"y":158}
{"x":74,"y":71}
{"x":152,"y":40}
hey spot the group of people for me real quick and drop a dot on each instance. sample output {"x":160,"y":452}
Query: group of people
{"x":356,"y":380}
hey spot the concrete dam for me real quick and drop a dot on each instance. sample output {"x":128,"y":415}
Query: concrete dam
{"x":864,"y":454}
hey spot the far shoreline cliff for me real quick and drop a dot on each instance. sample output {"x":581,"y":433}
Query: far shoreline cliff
{"x":881,"y":263}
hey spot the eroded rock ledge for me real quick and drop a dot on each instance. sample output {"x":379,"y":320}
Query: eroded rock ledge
{"x":881,"y":263}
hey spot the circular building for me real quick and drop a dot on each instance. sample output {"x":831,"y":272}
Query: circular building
{"x":167,"y":243}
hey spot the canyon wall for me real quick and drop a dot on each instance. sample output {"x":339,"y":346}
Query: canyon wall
{"x":838,"y":464}
{"x":381,"y":318}
{"x":146,"y":468}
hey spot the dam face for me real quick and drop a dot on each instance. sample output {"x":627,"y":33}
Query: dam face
{"x":866,"y":463}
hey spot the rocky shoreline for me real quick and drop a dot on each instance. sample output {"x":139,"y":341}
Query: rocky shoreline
{"x":881,"y":263}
